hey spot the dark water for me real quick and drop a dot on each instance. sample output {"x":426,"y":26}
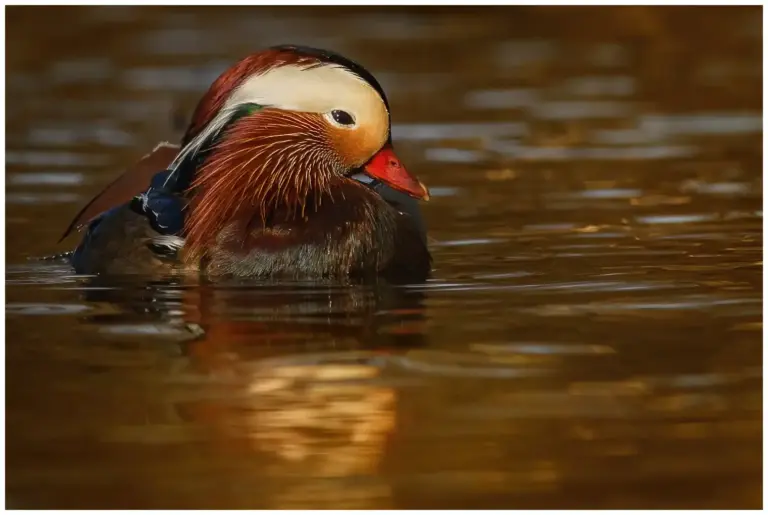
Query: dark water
{"x":592,"y":334}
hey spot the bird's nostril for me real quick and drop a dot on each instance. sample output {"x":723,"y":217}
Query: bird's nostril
{"x":394,"y":163}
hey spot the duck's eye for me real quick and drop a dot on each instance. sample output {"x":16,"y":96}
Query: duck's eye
{"x":342,"y":118}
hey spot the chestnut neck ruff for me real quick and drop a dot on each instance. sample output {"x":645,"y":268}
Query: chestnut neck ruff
{"x":267,"y":161}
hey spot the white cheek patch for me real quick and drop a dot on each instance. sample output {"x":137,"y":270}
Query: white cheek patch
{"x":308,"y":89}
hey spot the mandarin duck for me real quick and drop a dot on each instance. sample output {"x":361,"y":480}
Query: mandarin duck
{"x":286,"y":169}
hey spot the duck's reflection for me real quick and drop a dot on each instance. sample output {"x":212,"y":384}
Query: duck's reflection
{"x":258,"y":319}
{"x":291,"y":378}
{"x":320,"y":424}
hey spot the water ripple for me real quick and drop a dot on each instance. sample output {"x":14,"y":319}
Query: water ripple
{"x":21,"y":308}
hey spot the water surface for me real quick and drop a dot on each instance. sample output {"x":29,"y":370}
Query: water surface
{"x":591,"y":335}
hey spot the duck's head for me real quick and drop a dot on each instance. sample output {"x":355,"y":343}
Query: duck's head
{"x":281,"y":125}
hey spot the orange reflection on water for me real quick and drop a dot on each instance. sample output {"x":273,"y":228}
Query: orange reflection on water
{"x":310,"y":419}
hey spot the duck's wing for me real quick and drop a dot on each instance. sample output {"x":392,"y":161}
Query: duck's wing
{"x":133,"y":181}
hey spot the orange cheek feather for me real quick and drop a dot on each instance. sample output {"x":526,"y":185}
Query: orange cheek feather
{"x":354,"y":146}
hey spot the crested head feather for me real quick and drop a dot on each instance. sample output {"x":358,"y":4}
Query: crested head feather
{"x":291,"y":79}
{"x":260,"y":63}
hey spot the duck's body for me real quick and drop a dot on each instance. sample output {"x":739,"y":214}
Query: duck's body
{"x":283,"y":187}
{"x":362,"y":237}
